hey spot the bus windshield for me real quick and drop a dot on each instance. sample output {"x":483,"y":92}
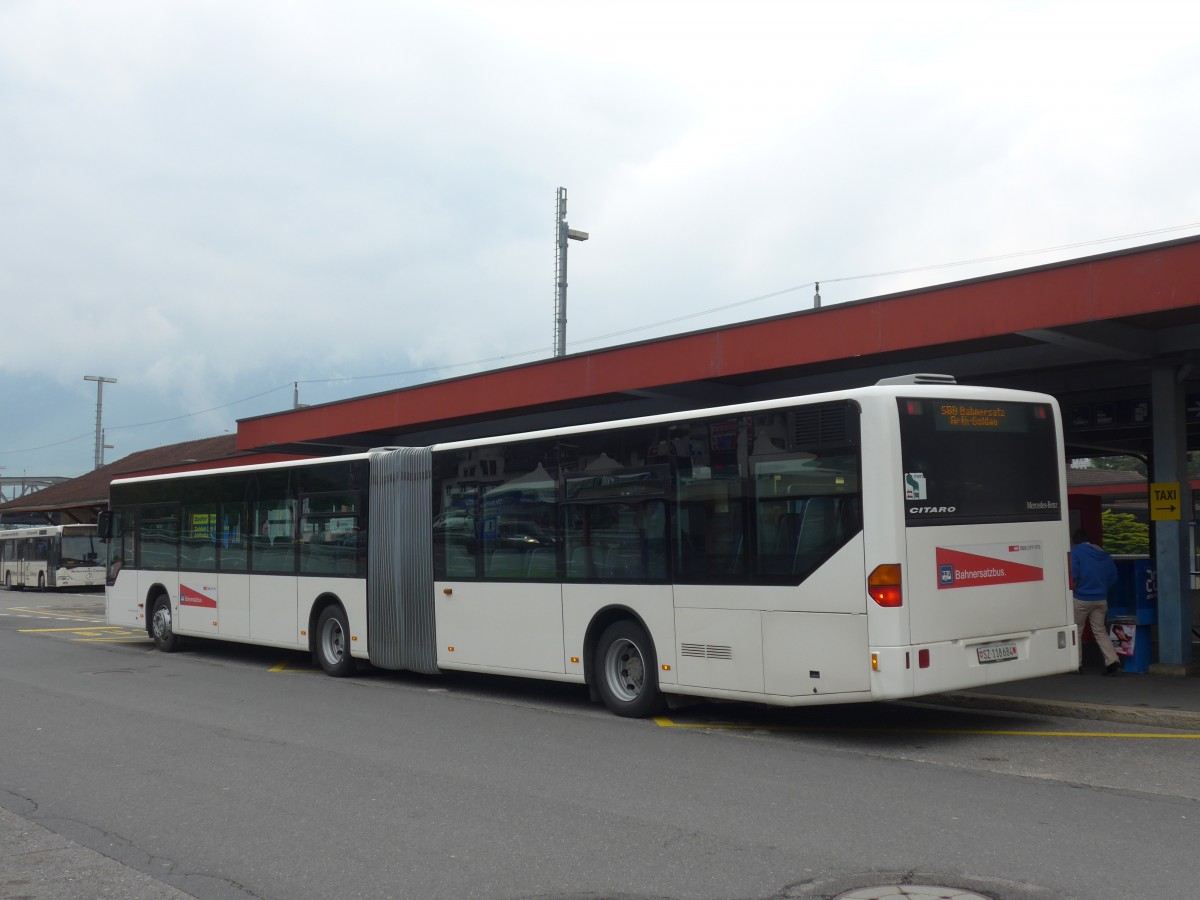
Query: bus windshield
{"x":79,"y":550}
{"x":969,"y":462}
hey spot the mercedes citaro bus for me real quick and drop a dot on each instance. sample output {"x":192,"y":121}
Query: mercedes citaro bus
{"x":878,"y":543}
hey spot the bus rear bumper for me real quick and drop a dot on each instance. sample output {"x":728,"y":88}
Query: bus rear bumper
{"x":914,"y":671}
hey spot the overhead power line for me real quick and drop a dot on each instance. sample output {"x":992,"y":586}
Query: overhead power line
{"x":70,"y":440}
{"x":611,"y":334}
{"x":199,"y":412}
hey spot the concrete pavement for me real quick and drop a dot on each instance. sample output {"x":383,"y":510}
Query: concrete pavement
{"x":1164,"y":701}
{"x":39,"y":864}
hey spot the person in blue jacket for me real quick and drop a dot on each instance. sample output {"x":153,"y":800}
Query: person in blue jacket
{"x":1093,"y":572}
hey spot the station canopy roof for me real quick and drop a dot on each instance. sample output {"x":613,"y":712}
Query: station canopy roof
{"x":81,"y":499}
{"x":1090,"y":331}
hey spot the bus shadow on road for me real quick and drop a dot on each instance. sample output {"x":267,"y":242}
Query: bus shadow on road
{"x":873,"y":722}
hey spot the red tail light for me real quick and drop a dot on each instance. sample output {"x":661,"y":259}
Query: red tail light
{"x":883,"y":585}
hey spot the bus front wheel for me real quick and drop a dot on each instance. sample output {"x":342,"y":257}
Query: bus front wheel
{"x":333,"y":642}
{"x":627,"y":676}
{"x":164,"y":635}
{"x":41,"y":581}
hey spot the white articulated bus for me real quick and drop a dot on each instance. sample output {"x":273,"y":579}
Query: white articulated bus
{"x":870,"y":544}
{"x":51,"y":556}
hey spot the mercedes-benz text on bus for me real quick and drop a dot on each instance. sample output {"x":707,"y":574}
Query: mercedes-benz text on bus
{"x":869,"y":544}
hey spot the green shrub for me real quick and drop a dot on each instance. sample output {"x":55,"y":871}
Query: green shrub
{"x":1124,"y":534}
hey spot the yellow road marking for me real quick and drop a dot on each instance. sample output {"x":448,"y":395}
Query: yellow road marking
{"x":50,"y":612}
{"x":117,"y":634}
{"x":286,"y":667}
{"x":663,"y":722}
{"x":78,"y":629}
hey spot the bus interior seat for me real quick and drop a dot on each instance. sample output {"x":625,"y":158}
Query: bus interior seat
{"x":459,"y":561}
{"x":818,"y":532}
{"x":577,"y":563}
{"x":541,"y":563}
{"x":506,"y":563}
{"x":627,"y":562}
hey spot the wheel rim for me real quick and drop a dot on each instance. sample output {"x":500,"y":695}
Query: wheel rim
{"x":625,"y":670}
{"x":162,"y":622}
{"x":333,"y":641}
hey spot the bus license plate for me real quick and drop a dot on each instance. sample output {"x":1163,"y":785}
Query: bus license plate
{"x":991,"y":653}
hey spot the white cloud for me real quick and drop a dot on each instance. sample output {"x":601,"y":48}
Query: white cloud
{"x":221,"y":198}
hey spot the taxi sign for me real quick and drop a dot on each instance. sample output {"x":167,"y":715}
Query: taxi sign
{"x":1164,"y":500}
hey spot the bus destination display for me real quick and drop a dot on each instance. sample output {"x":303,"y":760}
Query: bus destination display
{"x":980,"y":417}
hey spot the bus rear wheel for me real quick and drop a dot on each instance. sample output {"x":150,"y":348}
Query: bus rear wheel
{"x":164,"y":635}
{"x":41,"y":581}
{"x":627,"y":676}
{"x":333,"y":642}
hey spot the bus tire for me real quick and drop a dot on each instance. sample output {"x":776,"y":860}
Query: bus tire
{"x":161,"y":626}
{"x":8,"y":581}
{"x":333,"y":642}
{"x":627,"y":671}
{"x":41,"y":581}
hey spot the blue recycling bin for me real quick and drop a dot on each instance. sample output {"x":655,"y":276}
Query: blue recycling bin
{"x":1133,"y":604}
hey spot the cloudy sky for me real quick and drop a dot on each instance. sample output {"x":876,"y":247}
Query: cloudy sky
{"x":211,"y":201}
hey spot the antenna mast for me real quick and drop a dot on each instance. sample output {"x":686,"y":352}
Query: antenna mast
{"x":562,"y":235}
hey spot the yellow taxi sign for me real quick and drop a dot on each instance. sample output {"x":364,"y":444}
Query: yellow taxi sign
{"x":1164,"y":501}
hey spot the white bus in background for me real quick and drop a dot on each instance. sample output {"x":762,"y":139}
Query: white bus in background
{"x":878,"y":543}
{"x":51,"y":556}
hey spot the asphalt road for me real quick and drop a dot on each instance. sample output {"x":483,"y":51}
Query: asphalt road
{"x":236,"y":772}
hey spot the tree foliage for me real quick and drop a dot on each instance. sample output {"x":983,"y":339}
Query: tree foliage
{"x":1123,"y":533}
{"x":1119,"y":464}
{"x":1133,"y":464}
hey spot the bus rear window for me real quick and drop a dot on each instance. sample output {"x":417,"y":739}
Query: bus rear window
{"x":974,"y":461}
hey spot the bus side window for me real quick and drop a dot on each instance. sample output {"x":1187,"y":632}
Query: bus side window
{"x":159,"y":537}
{"x":128,"y":546}
{"x":274,"y":542}
{"x":807,"y":507}
{"x":198,"y":545}
{"x":709,"y":526}
{"x":329,"y":533}
{"x":231,"y":537}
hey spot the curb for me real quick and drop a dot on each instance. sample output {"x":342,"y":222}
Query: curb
{"x":1130,"y":715}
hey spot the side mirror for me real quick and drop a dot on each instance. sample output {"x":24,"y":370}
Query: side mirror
{"x":104,"y":525}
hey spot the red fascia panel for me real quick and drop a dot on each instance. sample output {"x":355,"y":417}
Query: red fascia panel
{"x":227,"y":462}
{"x":1123,"y":490}
{"x":480,"y":394}
{"x":1147,"y":282}
{"x":1096,"y":291}
{"x":1110,"y":490}
{"x":986,"y":309}
{"x":1167,"y":278}
{"x":695,"y":357}
{"x":839,"y":332}
{"x":691,"y":357}
{"x":835,"y":333}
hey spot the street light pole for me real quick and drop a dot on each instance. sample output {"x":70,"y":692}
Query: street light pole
{"x":100,"y":382}
{"x":563,"y":235}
